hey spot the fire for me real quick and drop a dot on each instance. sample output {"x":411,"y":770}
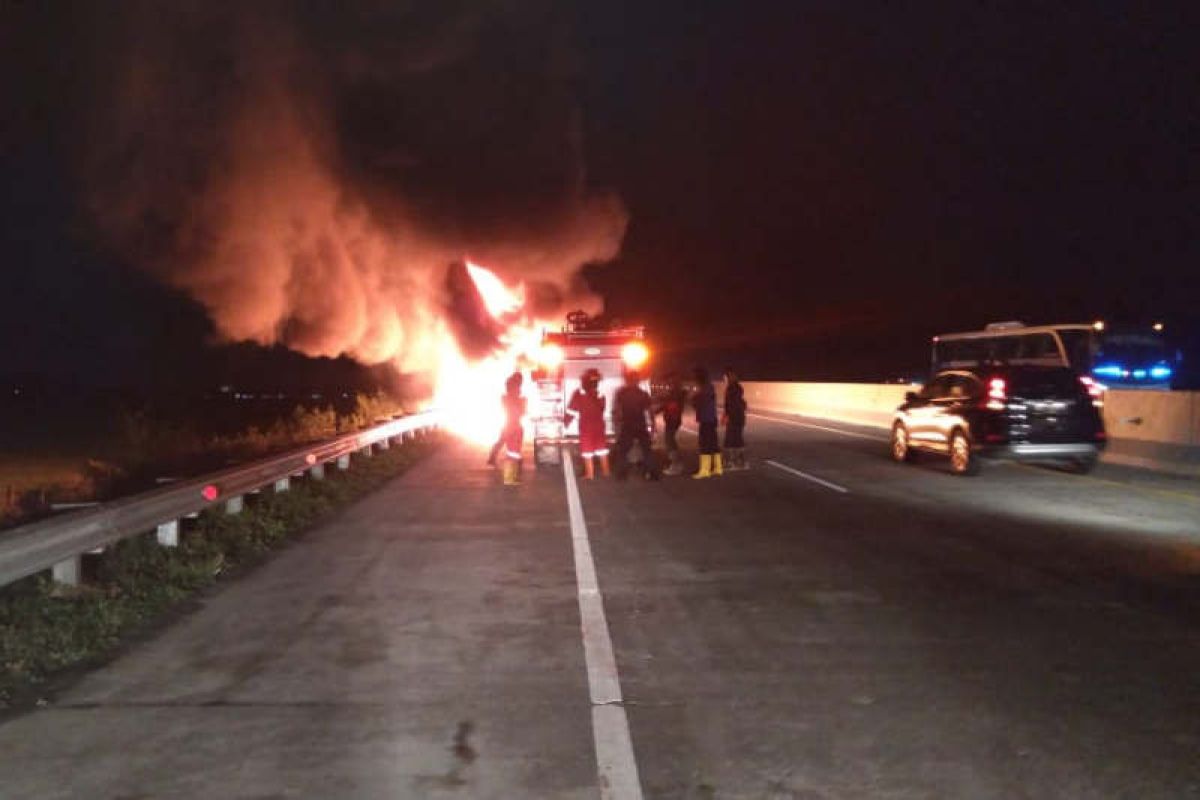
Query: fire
{"x":468,"y":392}
{"x":499,"y":300}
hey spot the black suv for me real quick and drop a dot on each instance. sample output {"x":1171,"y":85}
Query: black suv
{"x":1018,"y":412}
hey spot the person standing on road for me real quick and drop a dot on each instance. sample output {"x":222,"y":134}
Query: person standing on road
{"x":734,"y":419}
{"x":587,"y":403}
{"x":671,"y":409}
{"x":704,"y":400}
{"x":635,"y":424}
{"x":513,"y":435}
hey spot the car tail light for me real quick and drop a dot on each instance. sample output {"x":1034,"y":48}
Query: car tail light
{"x":1095,"y":390}
{"x":210,"y":492}
{"x":997,"y":394}
{"x":1101,"y":435}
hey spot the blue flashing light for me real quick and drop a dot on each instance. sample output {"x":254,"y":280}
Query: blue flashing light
{"x":1109,"y":371}
{"x":1139,"y":374}
{"x":1160,"y":372}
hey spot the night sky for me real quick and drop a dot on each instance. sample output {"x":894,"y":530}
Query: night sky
{"x":812,"y":189}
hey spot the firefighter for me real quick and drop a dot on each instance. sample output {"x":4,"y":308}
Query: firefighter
{"x":671,"y":408}
{"x":513,"y":434}
{"x":734,"y":419}
{"x":635,"y":424}
{"x":704,"y":400}
{"x":587,"y":403}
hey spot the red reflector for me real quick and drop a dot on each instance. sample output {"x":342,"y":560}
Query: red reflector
{"x":994,"y":437}
{"x":310,"y":459}
{"x":1101,"y":435}
{"x":210,"y":492}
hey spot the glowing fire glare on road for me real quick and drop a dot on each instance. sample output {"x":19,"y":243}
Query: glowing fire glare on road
{"x":468,"y":391}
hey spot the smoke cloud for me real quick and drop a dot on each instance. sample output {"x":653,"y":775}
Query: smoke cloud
{"x":308,"y":172}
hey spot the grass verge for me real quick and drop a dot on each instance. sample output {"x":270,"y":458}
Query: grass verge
{"x":46,"y":629}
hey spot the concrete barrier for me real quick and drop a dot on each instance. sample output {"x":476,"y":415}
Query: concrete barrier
{"x":1153,"y":429}
{"x":860,"y":403}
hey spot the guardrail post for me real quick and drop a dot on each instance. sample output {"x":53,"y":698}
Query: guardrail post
{"x":234,"y":505}
{"x":343,"y":462}
{"x":168,"y":533}
{"x":67,"y":572}
{"x":317,"y":472}
{"x":368,"y":451}
{"x":384,"y":444}
{"x":282,"y":485}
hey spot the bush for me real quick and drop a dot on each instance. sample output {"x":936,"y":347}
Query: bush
{"x":45,"y":627}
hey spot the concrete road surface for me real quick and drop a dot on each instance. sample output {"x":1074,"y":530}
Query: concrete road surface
{"x":826,"y":625}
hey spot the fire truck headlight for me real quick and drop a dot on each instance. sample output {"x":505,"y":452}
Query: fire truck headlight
{"x":550,"y":356}
{"x":635,"y":354}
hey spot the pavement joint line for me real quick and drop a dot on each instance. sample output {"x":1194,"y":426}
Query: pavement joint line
{"x":820,"y":427}
{"x":807,"y":477}
{"x":616,"y":766}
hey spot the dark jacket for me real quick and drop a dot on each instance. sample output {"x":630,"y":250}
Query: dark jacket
{"x":631,"y":407}
{"x":705,"y":403}
{"x":735,"y":402}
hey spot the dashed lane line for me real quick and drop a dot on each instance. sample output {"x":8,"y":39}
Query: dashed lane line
{"x":615,"y":763}
{"x":807,"y":477}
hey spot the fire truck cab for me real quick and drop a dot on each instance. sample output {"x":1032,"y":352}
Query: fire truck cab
{"x":583,"y":343}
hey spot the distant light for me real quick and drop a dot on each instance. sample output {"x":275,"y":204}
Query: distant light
{"x":210,"y":492}
{"x":1160,"y":372}
{"x":1158,"y":326}
{"x":1098,"y":325}
{"x":635,"y":354}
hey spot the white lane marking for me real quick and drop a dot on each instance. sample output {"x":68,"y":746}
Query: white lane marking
{"x":615,"y":763}
{"x":808,"y":477}
{"x":820,"y":428}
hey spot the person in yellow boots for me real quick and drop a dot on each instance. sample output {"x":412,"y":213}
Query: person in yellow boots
{"x":704,"y":400}
{"x":513,"y":435}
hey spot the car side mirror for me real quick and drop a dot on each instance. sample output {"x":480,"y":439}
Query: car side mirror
{"x":911,"y":397}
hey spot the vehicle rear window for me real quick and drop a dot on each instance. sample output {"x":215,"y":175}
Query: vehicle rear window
{"x":1043,"y":383}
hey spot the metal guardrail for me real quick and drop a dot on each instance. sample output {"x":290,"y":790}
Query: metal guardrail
{"x":58,"y":542}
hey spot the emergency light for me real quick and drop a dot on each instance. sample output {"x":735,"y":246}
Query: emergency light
{"x":635,"y":354}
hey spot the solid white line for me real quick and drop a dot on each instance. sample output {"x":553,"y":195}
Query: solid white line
{"x":808,"y":477}
{"x":615,"y":763}
{"x":819,"y":427}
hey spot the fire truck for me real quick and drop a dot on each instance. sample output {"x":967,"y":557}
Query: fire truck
{"x":583,"y":343}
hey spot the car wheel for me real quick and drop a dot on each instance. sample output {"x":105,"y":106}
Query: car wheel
{"x":962,"y":460}
{"x":901,"y":452}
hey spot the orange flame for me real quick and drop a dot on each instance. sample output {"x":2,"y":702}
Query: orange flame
{"x":468,"y":392}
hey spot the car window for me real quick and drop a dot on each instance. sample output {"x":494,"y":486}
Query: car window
{"x":965,"y":386}
{"x":1036,"y":384}
{"x":938,"y":387}
{"x":1040,"y":348}
{"x":1006,"y":348}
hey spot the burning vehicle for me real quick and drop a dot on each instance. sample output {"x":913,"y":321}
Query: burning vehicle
{"x":582,"y":344}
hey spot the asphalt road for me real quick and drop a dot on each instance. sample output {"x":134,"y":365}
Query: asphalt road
{"x":826,"y":625}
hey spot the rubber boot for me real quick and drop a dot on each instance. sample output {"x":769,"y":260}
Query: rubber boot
{"x":675,"y":467}
{"x":510,"y":472}
{"x":706,"y":463}
{"x":716,"y":465}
